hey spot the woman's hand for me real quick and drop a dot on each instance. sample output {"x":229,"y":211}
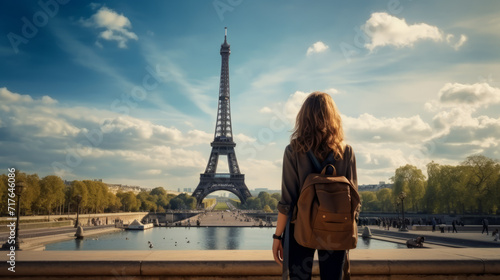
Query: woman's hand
{"x":278,"y":251}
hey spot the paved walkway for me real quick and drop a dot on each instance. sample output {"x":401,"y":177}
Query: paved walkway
{"x":464,"y":239}
{"x":224,"y":219}
{"x":36,"y":239}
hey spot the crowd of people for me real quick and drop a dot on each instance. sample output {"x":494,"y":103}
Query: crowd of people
{"x":397,"y":222}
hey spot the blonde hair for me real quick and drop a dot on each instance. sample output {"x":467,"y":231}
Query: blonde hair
{"x":318,"y":127}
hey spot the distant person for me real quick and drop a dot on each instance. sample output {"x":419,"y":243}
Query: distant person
{"x":454,"y":224}
{"x":485,"y":226}
{"x":495,"y":234}
{"x":318,"y":128}
{"x":434,"y":224}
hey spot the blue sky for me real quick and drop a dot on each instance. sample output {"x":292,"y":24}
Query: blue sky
{"x":127,"y":91}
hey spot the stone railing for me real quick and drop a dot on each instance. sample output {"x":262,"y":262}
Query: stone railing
{"x":481,"y":263}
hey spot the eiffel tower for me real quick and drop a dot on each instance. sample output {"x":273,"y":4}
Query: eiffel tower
{"x":223,"y":144}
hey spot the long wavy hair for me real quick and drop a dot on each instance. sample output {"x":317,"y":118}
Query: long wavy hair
{"x":318,"y":127}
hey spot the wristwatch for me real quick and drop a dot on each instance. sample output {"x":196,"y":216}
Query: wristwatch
{"x":279,"y":237}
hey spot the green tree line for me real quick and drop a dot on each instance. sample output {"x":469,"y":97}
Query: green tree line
{"x":472,"y":187}
{"x":264,"y":201}
{"x":49,"y":195}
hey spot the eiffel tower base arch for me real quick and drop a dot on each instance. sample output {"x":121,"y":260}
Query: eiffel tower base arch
{"x":209,"y":183}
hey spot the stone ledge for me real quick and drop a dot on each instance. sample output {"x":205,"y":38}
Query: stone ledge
{"x":365,"y":264}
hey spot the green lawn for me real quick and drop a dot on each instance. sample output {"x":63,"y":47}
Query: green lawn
{"x":221,"y":206}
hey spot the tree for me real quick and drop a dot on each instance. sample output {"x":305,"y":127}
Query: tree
{"x":96,"y":195}
{"x":102,"y":195}
{"x":411,"y":180}
{"x":144,"y":199}
{"x":191,"y":202}
{"x":267,"y":209}
{"x":52,"y":188}
{"x":452,"y":188}
{"x":183,"y":201}
{"x":114,"y":203}
{"x":276,"y":196}
{"x":264,"y":198}
{"x":79,"y":188}
{"x":368,"y":201}
{"x":254,"y":203}
{"x":177,"y":204}
{"x":3,"y":193}
{"x":129,"y":202}
{"x":482,"y":176}
{"x":32,"y":192}
{"x":433,"y":193}
{"x":163,"y":202}
{"x":273,"y":203}
{"x":159,"y":191}
{"x":384,"y":197}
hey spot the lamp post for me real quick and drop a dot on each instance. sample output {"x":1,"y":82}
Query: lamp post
{"x":18,"y":190}
{"x":397,"y":208}
{"x":78,"y":199}
{"x":20,"y":186}
{"x":402,"y":197}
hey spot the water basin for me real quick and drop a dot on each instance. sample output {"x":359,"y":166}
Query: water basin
{"x":203,"y":238}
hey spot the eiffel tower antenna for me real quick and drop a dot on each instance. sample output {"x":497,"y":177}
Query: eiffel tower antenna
{"x":223,"y":144}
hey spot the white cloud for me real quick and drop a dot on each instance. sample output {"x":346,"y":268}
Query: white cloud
{"x":48,"y":100}
{"x":456,"y":45}
{"x":293,"y":104}
{"x":331,"y":91}
{"x":265,"y":110}
{"x":12,"y":97}
{"x":242,"y":138}
{"x":317,"y":47}
{"x":369,"y":128}
{"x":254,"y":170}
{"x":458,"y":129}
{"x":474,"y":95}
{"x":117,"y":26}
{"x":385,"y":29}
{"x":129,"y":146}
{"x":459,"y":116}
{"x":153,"y":171}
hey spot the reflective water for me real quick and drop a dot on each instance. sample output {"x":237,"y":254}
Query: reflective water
{"x":204,"y":238}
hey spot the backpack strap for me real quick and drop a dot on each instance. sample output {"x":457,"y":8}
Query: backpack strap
{"x":286,"y":249}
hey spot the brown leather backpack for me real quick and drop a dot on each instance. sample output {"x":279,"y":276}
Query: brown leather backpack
{"x":327,"y":211}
